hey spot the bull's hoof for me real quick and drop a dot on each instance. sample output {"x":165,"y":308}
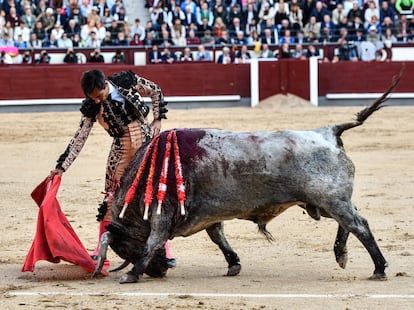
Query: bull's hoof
{"x":129,"y":278}
{"x":378,"y":277}
{"x":171,"y":262}
{"x":342,"y":260}
{"x":234,"y":270}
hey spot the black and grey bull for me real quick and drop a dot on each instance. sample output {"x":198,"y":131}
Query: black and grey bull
{"x":242,"y":175}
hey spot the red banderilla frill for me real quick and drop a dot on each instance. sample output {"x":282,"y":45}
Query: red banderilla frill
{"x":132,"y":190}
{"x":162,"y":186}
{"x":149,"y":189}
{"x":179,"y":180}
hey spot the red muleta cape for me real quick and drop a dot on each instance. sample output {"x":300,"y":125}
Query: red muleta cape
{"x":55,"y":238}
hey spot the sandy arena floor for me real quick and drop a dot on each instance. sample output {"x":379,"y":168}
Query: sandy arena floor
{"x":297,"y":271}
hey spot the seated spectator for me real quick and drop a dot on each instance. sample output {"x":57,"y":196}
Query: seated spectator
{"x":312,"y":52}
{"x":135,"y":40}
{"x":121,"y":17}
{"x":6,"y":40}
{"x":178,"y":39}
{"x":77,"y":16}
{"x":72,"y":28}
{"x":326,"y":36}
{"x":47,"y":20}
{"x":319,"y":11}
{"x":338,"y":14}
{"x":313,"y":26}
{"x":167,"y":56}
{"x":374,"y":22}
{"x":371,"y":11}
{"x":57,"y":31}
{"x":77,"y":41}
{"x":387,"y":10}
{"x":355,"y":12}
{"x":154,"y":55}
{"x":234,"y":27}
{"x":218,"y":27}
{"x":299,"y":52}
{"x":94,"y":15}
{"x":192,"y":38}
{"x":87,"y":29}
{"x":107,"y":18}
{"x":243,"y":55}
{"x":115,"y":8}
{"x":165,"y":38}
{"x":19,"y":43}
{"x":347,"y":51}
{"x":356,"y":25}
{"x":114,"y":29}
{"x":287,"y":38}
{"x":50,"y":42}
{"x":137,"y":28}
{"x":266,"y":52}
{"x":107,"y":41}
{"x":23,"y":31}
{"x":70,"y":57}
{"x":92,"y":40}
{"x":61,"y":17}
{"x":34,"y":42}
{"x":186,"y":55}
{"x":285,"y":53}
{"x":65,"y":42}
{"x":225,"y":57}
{"x":202,"y":54}
{"x":121,"y":40}
{"x":223,"y":39}
{"x":96,"y":56}
{"x":269,"y":37}
{"x":13,"y":17}
{"x":312,"y":38}
{"x":44,"y":58}
{"x":119,"y":57}
{"x":240,"y":39}
{"x":29,"y":18}
{"x":39,"y":31}
{"x":207,"y":39}
{"x":327,"y":24}
{"x":402,"y":26}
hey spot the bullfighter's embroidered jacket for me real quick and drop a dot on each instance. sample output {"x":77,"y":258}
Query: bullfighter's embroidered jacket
{"x":114,"y":115}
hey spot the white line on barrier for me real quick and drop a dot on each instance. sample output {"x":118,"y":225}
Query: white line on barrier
{"x":216,"y":295}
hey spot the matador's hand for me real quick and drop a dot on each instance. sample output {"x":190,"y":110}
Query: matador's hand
{"x":54,"y":172}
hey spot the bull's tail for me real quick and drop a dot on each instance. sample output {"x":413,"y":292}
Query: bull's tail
{"x":362,"y":115}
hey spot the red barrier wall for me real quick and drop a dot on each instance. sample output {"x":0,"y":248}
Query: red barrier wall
{"x":363,"y":77}
{"x":63,"y":81}
{"x":204,"y":79}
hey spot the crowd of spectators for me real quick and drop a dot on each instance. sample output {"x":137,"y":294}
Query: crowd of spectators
{"x":68,"y":24}
{"x":236,"y":26}
{"x":361,"y":29}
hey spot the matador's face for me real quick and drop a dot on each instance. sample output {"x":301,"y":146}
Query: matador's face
{"x":100,"y":95}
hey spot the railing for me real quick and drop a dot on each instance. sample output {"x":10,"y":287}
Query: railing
{"x":139,"y":55}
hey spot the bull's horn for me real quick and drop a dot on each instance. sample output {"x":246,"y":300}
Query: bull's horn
{"x":106,"y":239}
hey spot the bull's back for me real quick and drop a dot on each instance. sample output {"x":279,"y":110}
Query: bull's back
{"x":232,"y":173}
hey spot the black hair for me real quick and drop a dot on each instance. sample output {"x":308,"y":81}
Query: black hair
{"x":92,"y":79}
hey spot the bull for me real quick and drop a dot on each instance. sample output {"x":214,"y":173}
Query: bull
{"x":253,"y":176}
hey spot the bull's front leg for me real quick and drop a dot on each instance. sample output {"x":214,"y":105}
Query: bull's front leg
{"x":156,"y":241}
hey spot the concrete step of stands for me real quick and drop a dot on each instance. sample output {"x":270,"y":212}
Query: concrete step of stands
{"x":136,"y":9}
